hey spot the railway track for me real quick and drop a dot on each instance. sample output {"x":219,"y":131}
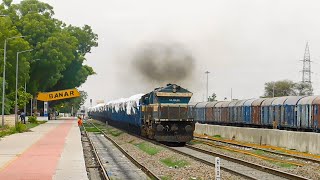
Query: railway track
{"x":234,"y":166}
{"x":123,"y":171}
{"x":100,"y":165}
{"x":208,"y":139}
{"x":254,"y":171}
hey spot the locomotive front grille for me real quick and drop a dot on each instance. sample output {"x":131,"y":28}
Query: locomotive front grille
{"x":172,"y":113}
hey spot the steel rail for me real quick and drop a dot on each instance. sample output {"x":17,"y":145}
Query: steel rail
{"x":245,"y":152}
{"x":251,"y":165}
{"x":104,"y":172}
{"x":210,"y":163}
{"x":262,"y":149}
{"x":133,"y":160}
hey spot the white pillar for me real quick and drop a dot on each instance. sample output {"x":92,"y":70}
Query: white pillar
{"x":217,"y":168}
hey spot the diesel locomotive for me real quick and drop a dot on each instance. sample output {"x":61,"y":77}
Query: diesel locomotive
{"x":161,"y":115}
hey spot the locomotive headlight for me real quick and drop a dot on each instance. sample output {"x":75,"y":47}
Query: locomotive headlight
{"x":160,"y":127}
{"x":174,"y":88}
{"x":188,"y":128}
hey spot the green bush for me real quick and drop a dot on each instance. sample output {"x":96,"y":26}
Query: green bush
{"x":33,"y":119}
{"x":21,"y":127}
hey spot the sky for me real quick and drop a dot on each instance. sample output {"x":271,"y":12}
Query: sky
{"x":242,"y":43}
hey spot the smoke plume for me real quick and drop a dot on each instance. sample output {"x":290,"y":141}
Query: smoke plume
{"x":163,"y":63}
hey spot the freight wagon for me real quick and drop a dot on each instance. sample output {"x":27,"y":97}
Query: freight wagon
{"x":289,"y":112}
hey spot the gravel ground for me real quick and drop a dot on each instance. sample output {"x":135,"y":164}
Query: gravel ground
{"x":310,"y":170}
{"x":194,"y":169}
{"x":93,"y":171}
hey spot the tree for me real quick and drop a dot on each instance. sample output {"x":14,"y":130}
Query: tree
{"x":303,"y":89}
{"x":286,"y":88}
{"x":61,"y":48}
{"x":212,"y":97}
{"x":66,"y":105}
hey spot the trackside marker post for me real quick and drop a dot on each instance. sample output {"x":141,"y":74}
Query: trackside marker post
{"x":217,"y":169}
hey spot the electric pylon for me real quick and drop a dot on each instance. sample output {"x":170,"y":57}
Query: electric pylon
{"x":306,"y":71}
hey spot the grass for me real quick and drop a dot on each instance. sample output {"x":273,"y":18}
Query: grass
{"x":170,"y":162}
{"x":116,"y":133}
{"x":146,"y":147}
{"x":90,"y":128}
{"x":166,"y":177}
{"x":131,"y":141}
{"x":194,"y":178}
{"x":258,"y":152}
{"x":284,"y":165}
{"x":217,"y":136}
{"x":20,"y":128}
{"x":108,"y":130}
{"x":194,"y":142}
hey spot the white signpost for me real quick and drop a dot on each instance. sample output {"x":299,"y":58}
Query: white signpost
{"x":217,"y":169}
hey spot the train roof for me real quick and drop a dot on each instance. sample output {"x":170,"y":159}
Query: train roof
{"x":280,"y":100}
{"x":226,"y":104}
{"x":192,"y":103}
{"x":293,"y":100}
{"x":268,"y":101}
{"x":316,"y":101}
{"x":307,"y":100}
{"x":241,"y":102}
{"x":170,"y":87}
{"x":249,"y":102}
{"x":233,"y":103}
{"x":201,"y":105}
{"x":219,"y":104}
{"x":212,"y":104}
{"x":258,"y":102}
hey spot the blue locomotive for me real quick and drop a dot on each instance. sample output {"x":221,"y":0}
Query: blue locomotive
{"x":161,"y":114}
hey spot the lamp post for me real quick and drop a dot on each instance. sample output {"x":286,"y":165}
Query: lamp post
{"x":16,"y":99}
{"x":25,"y":90}
{"x":207,"y":72}
{"x":274,"y":84}
{"x":4,"y":73}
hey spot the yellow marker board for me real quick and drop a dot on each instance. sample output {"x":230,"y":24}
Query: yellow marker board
{"x":58,"y":95}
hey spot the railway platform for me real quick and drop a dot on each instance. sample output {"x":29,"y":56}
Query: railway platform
{"x":50,"y":151}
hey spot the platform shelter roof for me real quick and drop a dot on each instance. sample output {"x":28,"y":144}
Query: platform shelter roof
{"x":268,"y":101}
{"x":293,"y":100}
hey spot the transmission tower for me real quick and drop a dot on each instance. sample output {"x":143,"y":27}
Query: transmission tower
{"x":306,"y":71}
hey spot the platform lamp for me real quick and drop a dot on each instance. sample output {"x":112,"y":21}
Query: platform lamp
{"x":16,"y":99}
{"x":4,"y":73}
